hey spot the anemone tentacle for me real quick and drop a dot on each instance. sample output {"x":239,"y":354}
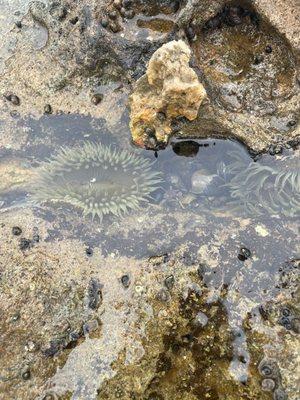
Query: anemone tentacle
{"x":97,"y":179}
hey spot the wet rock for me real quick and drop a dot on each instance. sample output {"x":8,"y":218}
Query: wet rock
{"x":169,"y":86}
{"x":232,"y":26}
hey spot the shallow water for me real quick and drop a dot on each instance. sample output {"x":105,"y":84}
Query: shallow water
{"x":197,"y":207}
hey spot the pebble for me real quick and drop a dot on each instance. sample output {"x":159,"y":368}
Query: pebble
{"x":89,"y":251}
{"x":104,"y":22}
{"x":25,"y":374}
{"x":244,"y":254}
{"x":268,"y":49}
{"x":16,"y":317}
{"x":291,"y":123}
{"x":48,"y":109}
{"x":97,"y":98}
{"x":190,"y":33}
{"x":16,"y":231}
{"x":258,"y":59}
{"x":94,"y":294}
{"x":13,"y":99}
{"x":24,"y":244}
{"x":169,"y":282}
{"x":125,"y":280}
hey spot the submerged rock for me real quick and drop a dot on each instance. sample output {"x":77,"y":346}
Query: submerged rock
{"x":170,"y":87}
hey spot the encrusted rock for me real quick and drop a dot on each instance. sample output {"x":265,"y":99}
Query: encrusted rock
{"x":170,"y":86}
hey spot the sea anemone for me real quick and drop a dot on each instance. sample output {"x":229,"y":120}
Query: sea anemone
{"x":97,"y":179}
{"x":258,"y":187}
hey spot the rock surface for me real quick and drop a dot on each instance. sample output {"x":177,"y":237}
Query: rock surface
{"x":169,"y":89}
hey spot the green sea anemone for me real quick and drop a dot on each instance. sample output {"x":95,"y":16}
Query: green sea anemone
{"x":97,"y":179}
{"x":257,"y":187}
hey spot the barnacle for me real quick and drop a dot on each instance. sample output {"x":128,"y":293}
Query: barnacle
{"x":257,"y":187}
{"x":97,"y":179}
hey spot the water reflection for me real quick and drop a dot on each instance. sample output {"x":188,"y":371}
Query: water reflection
{"x":192,"y":222}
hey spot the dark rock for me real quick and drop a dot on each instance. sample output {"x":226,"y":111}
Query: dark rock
{"x":48,"y":109}
{"x":104,"y":22}
{"x":89,"y":251}
{"x":125,"y":279}
{"x":190,"y":33}
{"x":291,"y":123}
{"x":268,"y":49}
{"x":24,"y":244}
{"x":187,"y":148}
{"x":244,"y":254}
{"x":258,"y":59}
{"x":169,"y":282}
{"x":97,"y":98}
{"x":94,"y":294}
{"x":13,"y":99}
{"x":25,"y":374}
{"x":16,"y":231}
